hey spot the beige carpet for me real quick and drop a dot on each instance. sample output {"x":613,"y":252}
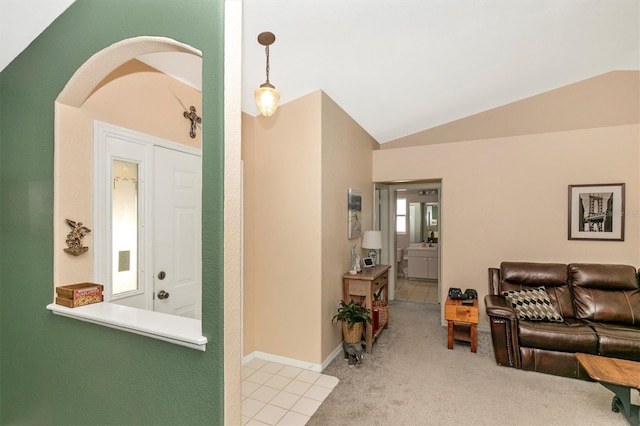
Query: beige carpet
{"x":411,"y":378}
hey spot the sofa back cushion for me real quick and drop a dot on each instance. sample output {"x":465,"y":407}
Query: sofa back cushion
{"x":527,"y":275}
{"x":606,"y":293}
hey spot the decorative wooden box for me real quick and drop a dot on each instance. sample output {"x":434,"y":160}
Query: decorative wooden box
{"x":75,"y":295}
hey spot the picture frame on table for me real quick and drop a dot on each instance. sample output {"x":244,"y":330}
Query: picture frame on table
{"x":596,"y":212}
{"x":367,"y":262}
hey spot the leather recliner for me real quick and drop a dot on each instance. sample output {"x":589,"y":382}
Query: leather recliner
{"x":599,"y":305}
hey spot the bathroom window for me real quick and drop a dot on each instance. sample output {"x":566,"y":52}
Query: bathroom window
{"x":401,"y":215}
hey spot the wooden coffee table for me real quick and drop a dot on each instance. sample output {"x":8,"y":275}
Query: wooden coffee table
{"x":462,"y":322}
{"x":619,"y":376}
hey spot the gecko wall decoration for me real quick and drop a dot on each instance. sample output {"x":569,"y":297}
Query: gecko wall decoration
{"x":74,"y":238}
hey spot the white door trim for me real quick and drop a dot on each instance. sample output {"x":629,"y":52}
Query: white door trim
{"x":102,"y":205}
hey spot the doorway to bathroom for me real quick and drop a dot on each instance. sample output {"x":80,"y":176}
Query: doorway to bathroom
{"x":410,"y":216}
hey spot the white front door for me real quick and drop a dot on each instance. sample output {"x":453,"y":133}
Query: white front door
{"x":148,"y":221}
{"x":177,"y":233}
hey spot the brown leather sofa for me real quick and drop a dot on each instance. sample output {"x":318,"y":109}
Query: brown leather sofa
{"x":599,"y":305}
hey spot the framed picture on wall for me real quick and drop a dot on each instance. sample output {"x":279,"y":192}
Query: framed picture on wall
{"x":354,"y":221}
{"x":596,"y":212}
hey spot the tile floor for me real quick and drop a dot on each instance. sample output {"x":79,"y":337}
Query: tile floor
{"x":277,"y":394}
{"x":416,"y":291}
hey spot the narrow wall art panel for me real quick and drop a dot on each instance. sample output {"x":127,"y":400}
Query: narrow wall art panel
{"x":354,"y":204}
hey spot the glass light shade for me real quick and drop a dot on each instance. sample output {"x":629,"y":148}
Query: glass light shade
{"x":267,"y":100}
{"x":372,"y":240}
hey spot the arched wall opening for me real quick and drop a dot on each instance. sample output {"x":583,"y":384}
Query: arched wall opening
{"x":114,"y":86}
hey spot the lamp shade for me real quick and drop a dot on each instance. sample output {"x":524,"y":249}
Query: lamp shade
{"x":267,"y":99}
{"x":372,"y":240}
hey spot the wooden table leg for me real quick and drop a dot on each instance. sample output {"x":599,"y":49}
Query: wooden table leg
{"x":622,"y":403}
{"x":450,"y":335}
{"x":368,"y":337}
{"x":368,"y":333}
{"x":474,"y":337}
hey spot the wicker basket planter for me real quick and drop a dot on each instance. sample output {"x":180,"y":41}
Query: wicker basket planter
{"x":354,"y":314}
{"x":352,"y":334}
{"x":383,"y":312}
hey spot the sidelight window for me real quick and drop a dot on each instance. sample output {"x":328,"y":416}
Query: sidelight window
{"x":124,"y":227}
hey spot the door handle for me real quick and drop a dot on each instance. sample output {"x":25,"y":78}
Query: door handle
{"x":163,"y":295}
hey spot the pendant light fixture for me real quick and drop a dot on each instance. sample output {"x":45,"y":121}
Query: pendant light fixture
{"x":267,"y":97}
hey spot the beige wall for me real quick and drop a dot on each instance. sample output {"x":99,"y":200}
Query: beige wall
{"x":298,"y":167}
{"x":250,"y":272}
{"x":505,"y":174}
{"x":134,"y":96}
{"x":146,"y":101}
{"x":506,"y":198}
{"x":346,"y":162}
{"x":282,"y":230}
{"x":610,"y":99}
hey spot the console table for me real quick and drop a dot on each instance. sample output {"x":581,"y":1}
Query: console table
{"x":365,"y":284}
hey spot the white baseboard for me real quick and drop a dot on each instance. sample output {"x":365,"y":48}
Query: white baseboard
{"x":318,"y":368}
{"x":336,"y":352}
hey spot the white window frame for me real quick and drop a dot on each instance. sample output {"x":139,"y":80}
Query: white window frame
{"x":399,"y":216}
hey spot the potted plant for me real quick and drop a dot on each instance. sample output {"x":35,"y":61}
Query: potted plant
{"x":353,"y":318}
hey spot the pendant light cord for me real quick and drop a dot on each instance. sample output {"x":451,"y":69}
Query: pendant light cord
{"x":266,"y":51}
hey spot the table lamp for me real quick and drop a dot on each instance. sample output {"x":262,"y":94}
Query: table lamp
{"x":372,"y":240}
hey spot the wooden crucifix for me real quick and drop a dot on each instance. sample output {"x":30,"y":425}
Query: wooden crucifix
{"x":193,"y":117}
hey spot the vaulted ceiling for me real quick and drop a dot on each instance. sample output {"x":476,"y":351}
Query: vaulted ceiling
{"x":399,"y":67}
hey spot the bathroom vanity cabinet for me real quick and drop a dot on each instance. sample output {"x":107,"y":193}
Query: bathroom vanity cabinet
{"x":422,"y":263}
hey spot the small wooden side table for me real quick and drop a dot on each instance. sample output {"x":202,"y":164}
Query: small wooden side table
{"x":462,"y":321}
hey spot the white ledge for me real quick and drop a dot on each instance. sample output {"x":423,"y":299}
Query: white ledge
{"x":170,"y":328}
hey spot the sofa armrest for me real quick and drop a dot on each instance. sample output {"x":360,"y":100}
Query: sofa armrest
{"x":504,"y":330}
{"x":498,"y":306}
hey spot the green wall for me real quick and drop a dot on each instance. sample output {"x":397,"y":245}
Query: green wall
{"x":55,"y":370}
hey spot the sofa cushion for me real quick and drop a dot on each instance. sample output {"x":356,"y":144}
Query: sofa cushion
{"x":570,"y":336}
{"x":606,"y":293}
{"x":618,"y":341}
{"x":553,"y":276}
{"x":607,"y":277}
{"x":528,"y":274}
{"x":532,"y":305}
